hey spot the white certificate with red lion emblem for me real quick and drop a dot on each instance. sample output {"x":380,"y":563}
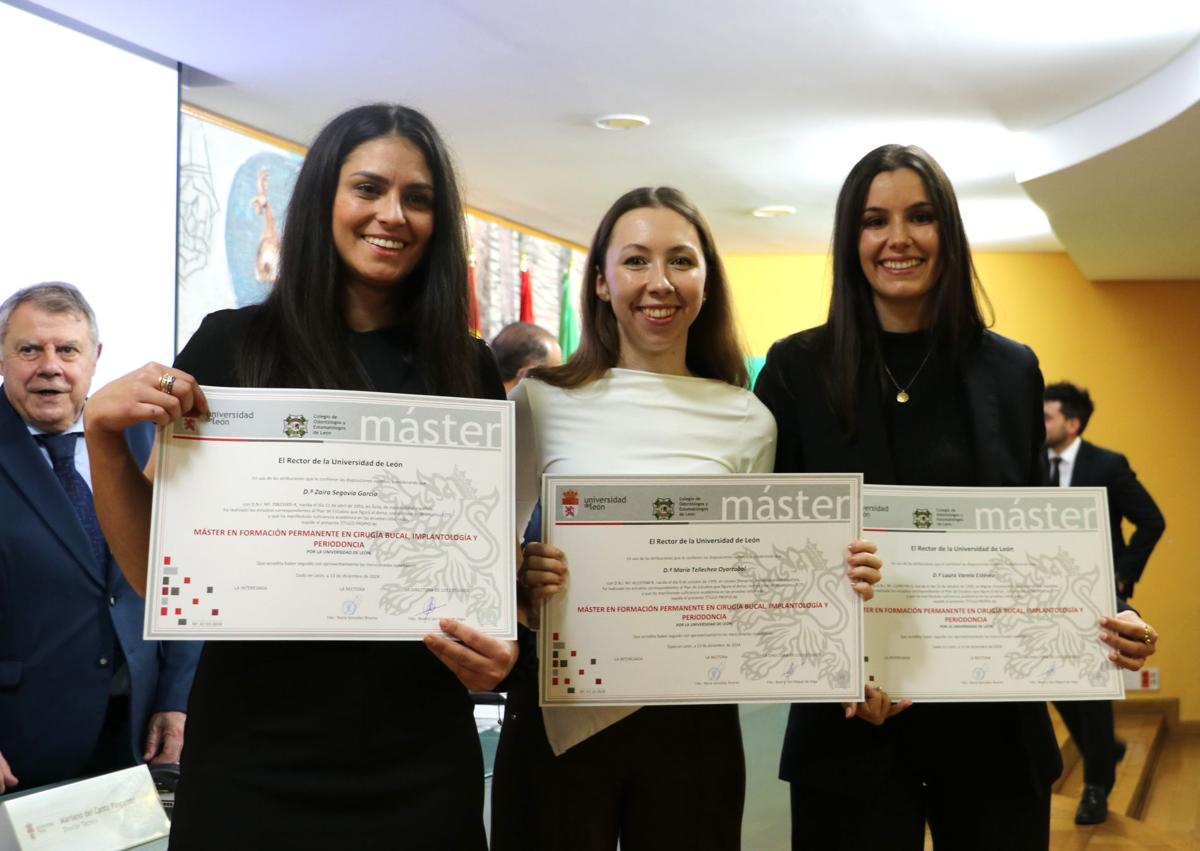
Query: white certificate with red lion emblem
{"x":316,"y":514}
{"x":990,"y":593}
{"x":702,"y":590}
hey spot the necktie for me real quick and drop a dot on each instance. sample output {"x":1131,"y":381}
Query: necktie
{"x":62,"y":456}
{"x":1054,"y":461}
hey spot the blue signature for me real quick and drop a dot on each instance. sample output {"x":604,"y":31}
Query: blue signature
{"x":714,"y":673}
{"x":349,"y":607}
{"x":429,"y":607}
{"x":791,"y":669}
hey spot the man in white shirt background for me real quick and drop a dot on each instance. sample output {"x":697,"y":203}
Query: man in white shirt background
{"x":1073,"y":461}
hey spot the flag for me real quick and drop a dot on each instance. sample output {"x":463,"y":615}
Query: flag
{"x":526,"y":291}
{"x":568,"y":325}
{"x":472,"y":301}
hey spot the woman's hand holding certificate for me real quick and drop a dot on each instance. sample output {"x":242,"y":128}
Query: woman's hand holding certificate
{"x":701,"y":589}
{"x":313,"y":514}
{"x":994,"y":594}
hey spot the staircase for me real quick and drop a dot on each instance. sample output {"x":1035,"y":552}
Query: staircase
{"x":1144,"y":727}
{"x":1144,"y":733}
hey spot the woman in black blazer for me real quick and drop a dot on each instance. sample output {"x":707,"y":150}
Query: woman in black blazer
{"x":905,"y":384}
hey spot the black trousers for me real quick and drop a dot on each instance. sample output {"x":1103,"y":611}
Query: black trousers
{"x":960,"y":818}
{"x":114,"y":748}
{"x":666,"y":777}
{"x":1091,"y":726}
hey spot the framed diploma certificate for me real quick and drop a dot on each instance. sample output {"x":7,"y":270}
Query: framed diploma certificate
{"x":315,"y":514}
{"x":702,"y":590}
{"x":990,"y":593}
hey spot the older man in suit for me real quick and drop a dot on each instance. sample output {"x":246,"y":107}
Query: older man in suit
{"x":522,"y":346}
{"x":80,"y":691}
{"x":1074,"y":461}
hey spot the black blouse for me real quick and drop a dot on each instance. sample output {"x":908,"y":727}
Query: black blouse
{"x":930,"y":434}
{"x":358,"y":738}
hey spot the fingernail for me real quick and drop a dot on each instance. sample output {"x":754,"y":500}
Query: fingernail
{"x":849,"y":711}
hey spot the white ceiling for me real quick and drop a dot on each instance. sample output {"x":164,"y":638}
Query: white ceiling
{"x":754,"y":103}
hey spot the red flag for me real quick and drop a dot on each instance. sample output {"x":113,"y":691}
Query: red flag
{"x":526,"y":291}
{"x":472,"y":301}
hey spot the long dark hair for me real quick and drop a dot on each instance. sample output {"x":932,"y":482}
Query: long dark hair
{"x":714,"y":349}
{"x":851,"y":348}
{"x":300,"y":337}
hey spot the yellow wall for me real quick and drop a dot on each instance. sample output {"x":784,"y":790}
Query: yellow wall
{"x":1134,"y":345}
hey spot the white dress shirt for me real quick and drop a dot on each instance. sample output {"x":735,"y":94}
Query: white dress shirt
{"x":81,"y":453}
{"x":1066,"y":461}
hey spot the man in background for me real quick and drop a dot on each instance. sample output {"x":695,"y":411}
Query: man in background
{"x":518,"y":348}
{"x":522,"y":346}
{"x":80,"y":691}
{"x":1074,"y":461}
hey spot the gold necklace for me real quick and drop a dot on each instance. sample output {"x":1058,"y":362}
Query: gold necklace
{"x":902,"y":392}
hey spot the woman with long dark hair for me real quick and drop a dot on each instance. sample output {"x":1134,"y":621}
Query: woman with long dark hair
{"x":656,"y":387}
{"x":329,"y":744}
{"x":905,"y":383}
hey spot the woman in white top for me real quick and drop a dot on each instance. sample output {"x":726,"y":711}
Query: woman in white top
{"x":656,"y":387}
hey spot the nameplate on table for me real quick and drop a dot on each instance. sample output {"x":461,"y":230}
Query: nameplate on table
{"x":110,"y":812}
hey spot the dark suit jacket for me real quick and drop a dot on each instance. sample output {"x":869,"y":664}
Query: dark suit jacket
{"x":62,"y":617}
{"x":1096,"y":466}
{"x":1006,"y":742}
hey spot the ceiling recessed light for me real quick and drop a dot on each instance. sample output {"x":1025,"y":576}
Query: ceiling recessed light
{"x":621,"y":121}
{"x":774,"y":211}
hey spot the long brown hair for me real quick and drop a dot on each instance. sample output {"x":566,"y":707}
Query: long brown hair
{"x":714,"y":348}
{"x":850,"y":350}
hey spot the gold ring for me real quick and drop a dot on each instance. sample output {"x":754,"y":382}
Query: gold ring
{"x":1146,"y":637}
{"x":165,"y":383}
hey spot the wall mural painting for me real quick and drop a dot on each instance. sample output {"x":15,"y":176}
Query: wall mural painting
{"x":234,"y":188}
{"x":258,"y":199}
